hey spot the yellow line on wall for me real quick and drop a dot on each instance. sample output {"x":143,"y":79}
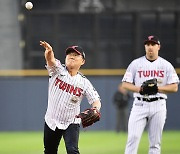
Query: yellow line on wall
{"x":23,"y":72}
{"x":97,"y":72}
{"x":43,"y":72}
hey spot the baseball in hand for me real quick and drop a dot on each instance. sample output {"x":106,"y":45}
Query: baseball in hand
{"x":29,"y":5}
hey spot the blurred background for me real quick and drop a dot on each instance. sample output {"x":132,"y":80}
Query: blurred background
{"x":111,"y":33}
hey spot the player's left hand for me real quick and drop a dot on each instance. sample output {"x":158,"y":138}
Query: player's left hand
{"x":89,"y":116}
{"x":149,"y":87}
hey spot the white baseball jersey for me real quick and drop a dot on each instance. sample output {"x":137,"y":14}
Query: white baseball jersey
{"x":142,"y":69}
{"x":65,"y":95}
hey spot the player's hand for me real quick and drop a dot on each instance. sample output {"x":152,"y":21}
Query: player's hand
{"x":89,"y":117}
{"x":46,"y":45}
{"x":149,"y":87}
{"x":49,"y":54}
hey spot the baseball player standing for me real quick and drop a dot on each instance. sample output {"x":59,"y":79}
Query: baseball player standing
{"x":66,"y":90}
{"x":149,"y":110}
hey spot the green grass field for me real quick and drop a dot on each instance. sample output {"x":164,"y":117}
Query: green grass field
{"x":91,"y":142}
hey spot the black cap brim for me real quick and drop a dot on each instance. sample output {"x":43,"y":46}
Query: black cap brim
{"x":68,"y":50}
{"x":148,"y":41}
{"x":76,"y":49}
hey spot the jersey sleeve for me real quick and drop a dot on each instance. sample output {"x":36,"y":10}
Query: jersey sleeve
{"x":172,"y":76}
{"x":91,"y":93}
{"x":130,"y":73}
{"x":54,"y":69}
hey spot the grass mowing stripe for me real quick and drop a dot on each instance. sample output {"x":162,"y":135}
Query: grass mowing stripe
{"x":96,"y":142}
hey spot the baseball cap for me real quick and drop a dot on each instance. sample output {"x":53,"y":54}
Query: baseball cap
{"x":152,"y":38}
{"x":77,"y":49}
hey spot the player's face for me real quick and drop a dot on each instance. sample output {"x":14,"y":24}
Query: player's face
{"x":74,"y":60}
{"x":152,"y":50}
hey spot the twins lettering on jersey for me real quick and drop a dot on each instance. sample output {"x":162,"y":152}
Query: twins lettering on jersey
{"x":68,"y":88}
{"x":151,"y":73}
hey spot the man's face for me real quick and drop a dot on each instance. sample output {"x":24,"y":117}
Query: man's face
{"x":152,"y":50}
{"x":74,"y":60}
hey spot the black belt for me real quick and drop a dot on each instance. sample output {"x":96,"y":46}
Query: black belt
{"x":149,"y":99}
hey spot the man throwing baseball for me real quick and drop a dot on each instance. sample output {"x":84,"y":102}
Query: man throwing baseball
{"x":150,"y":78}
{"x":66,"y":90}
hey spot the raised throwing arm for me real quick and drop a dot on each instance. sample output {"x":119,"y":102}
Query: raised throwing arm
{"x":48,"y":54}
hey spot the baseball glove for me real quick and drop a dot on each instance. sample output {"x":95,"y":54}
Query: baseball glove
{"x":149,"y":87}
{"x":89,"y":116}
